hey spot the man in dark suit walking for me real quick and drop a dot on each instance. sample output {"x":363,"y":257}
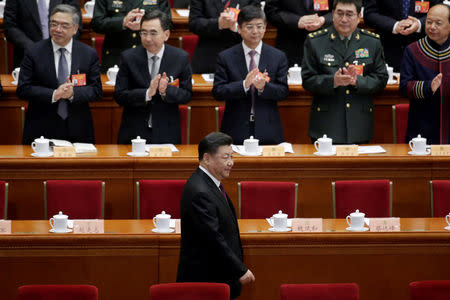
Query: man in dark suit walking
{"x":211,"y":249}
{"x":251,"y":77}
{"x":26,"y":22}
{"x":57,"y":106}
{"x":152,"y":80}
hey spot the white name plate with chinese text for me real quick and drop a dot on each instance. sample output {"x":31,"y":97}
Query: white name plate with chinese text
{"x":177,"y":226}
{"x":88,"y":226}
{"x":307,"y":225}
{"x":163,"y":151}
{"x":440,"y":150}
{"x":273,"y":151}
{"x":347,"y":150}
{"x":64,"y":152}
{"x":384,"y":224}
{"x":5,"y":226}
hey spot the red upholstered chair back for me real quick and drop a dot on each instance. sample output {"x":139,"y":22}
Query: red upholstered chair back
{"x":3,"y":200}
{"x":440,"y":198}
{"x":324,"y":291}
{"x":155,"y":196}
{"x":185,"y":122}
{"x":79,"y":199}
{"x":171,"y":3}
{"x":190,"y":291}
{"x":57,"y":292}
{"x":372,"y":197}
{"x":97,"y":44}
{"x":399,"y":122}
{"x":219,"y":116}
{"x":430,"y":290}
{"x":189,"y":43}
{"x":262,"y":199}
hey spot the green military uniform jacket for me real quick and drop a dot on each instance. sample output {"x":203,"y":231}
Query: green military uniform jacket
{"x":343,"y":113}
{"x":108,"y":19}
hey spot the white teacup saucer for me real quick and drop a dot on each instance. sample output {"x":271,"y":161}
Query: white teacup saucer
{"x":109,"y":82}
{"x":295,"y":81}
{"x":164,"y":231}
{"x":14,"y":82}
{"x":447,"y":228}
{"x":137,"y":154}
{"x":35,"y":154}
{"x":279,"y":230}
{"x":357,"y":229}
{"x":67,"y":230}
{"x":251,"y":153}
{"x":324,"y":154}
{"x":428,"y":151}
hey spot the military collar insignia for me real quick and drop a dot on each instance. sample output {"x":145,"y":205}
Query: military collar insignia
{"x":357,"y":36}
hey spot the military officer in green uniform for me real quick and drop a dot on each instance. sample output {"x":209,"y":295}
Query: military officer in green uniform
{"x":343,"y":66}
{"x":120,"y":21}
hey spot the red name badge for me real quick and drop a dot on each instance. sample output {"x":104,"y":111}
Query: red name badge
{"x":176,"y":83}
{"x":359,"y":69}
{"x":320,"y":5}
{"x":422,"y":6}
{"x":234,"y":12}
{"x":261,"y":75}
{"x":79,"y":79}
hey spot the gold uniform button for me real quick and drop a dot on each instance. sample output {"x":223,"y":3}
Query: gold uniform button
{"x":370,"y":109}
{"x":348,"y":105}
{"x":364,"y":64}
{"x":329,"y":64}
{"x":134,"y":46}
{"x":133,"y":35}
{"x":346,"y":64}
{"x":107,"y":52}
{"x":318,"y":109}
{"x":116,"y":10}
{"x":347,"y":92}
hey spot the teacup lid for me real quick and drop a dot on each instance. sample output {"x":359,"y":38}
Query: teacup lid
{"x":251,"y":139}
{"x":357,"y":214}
{"x":163,"y":215}
{"x":60,"y":215}
{"x":295,"y":68}
{"x":41,"y":140}
{"x":325,"y":138}
{"x":419,"y":138}
{"x":280,"y":215}
{"x":138,"y":140}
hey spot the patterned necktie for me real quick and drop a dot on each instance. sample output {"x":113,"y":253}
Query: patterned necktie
{"x":252,"y":66}
{"x":63,"y":72}
{"x":405,"y":8}
{"x":222,"y":189}
{"x":43,"y":17}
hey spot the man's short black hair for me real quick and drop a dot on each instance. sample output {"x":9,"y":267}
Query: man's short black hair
{"x":157,"y":14}
{"x":249,"y":13}
{"x":358,"y":4}
{"x":212,"y":142}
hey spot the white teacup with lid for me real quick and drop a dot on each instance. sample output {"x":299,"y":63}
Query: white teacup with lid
{"x":59,"y":223}
{"x":251,"y":145}
{"x":112,"y":74}
{"x":418,"y":145}
{"x":324,"y":145}
{"x":89,"y":8}
{"x":162,"y":222}
{"x":15,"y":75}
{"x":41,"y":146}
{"x":447,"y":219}
{"x":295,"y":74}
{"x":138,"y":145}
{"x":356,"y":220}
{"x":390,"y":71}
{"x":279,"y":221}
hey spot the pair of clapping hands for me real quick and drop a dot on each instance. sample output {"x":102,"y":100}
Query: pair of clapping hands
{"x":256,"y":78}
{"x":64,"y":91}
{"x":345,"y":76}
{"x":158,"y":84}
{"x":227,"y":19}
{"x":311,"y":22}
{"x":133,"y":19}
{"x":407,"y":26}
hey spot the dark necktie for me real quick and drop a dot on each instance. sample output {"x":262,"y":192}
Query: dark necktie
{"x":63,"y":72}
{"x":252,"y":66}
{"x":346,"y":42}
{"x":405,"y":8}
{"x":43,"y":17}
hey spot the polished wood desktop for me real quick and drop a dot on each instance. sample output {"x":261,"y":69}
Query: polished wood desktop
{"x":410,"y":176}
{"x":129,"y":257}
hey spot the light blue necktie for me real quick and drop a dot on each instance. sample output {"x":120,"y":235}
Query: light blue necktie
{"x":43,"y":17}
{"x":63,"y":72}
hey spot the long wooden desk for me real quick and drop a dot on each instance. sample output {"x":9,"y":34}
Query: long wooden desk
{"x":128,"y":258}
{"x":107,"y":114}
{"x":410,"y":176}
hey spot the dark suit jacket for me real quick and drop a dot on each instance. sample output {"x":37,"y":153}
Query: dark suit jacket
{"x":230,"y":72}
{"x":284,"y":15}
{"x":211,"y":249}
{"x":132,"y":83}
{"x":204,"y":21}
{"x":382,"y":15}
{"x":23,"y":26}
{"x":37,"y":82}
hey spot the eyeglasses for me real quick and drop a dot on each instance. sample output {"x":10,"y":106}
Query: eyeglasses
{"x":250,"y":27}
{"x":65,"y":26}
{"x":341,"y":14}
{"x":145,"y":34}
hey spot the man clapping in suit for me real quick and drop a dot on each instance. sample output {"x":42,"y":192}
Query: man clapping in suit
{"x":58,"y":78}
{"x":251,"y":77}
{"x":152,"y":80}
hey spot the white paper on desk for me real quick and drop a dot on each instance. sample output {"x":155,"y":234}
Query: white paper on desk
{"x":172,"y":147}
{"x":208,"y":77}
{"x":84,"y":148}
{"x":60,"y":143}
{"x":183,"y":12}
{"x":172,"y":223}
{"x":370,"y":149}
{"x":241,"y":150}
{"x":270,"y":221}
